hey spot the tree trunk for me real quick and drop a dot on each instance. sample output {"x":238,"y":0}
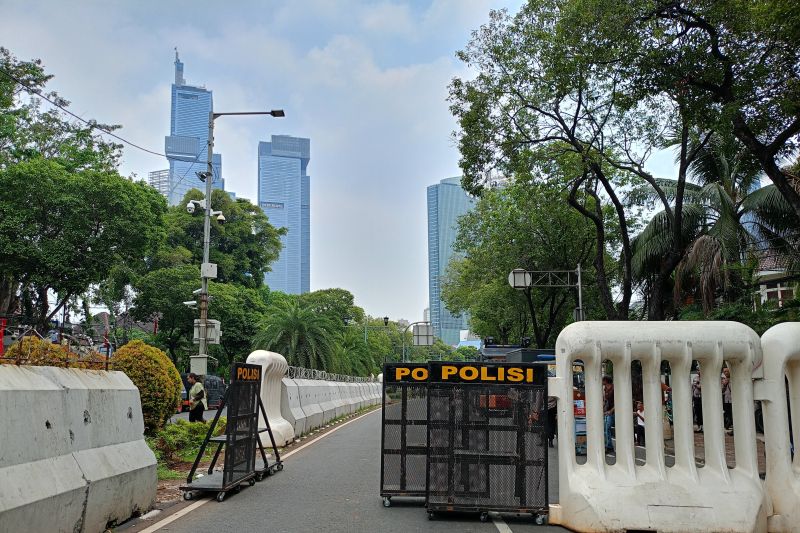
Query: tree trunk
{"x":9,"y":298}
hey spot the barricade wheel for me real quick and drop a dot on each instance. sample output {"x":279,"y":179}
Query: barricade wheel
{"x":541,"y":519}
{"x":484,"y":517}
{"x":252,"y":481}
{"x":279,"y":467}
{"x":259,"y":476}
{"x":237,"y":489}
{"x":188,"y":495}
{"x":387,"y":501}
{"x":220,"y":496}
{"x":431,"y":515}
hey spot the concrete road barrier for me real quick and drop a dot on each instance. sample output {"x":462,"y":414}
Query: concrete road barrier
{"x":291,"y":409}
{"x":72,"y":452}
{"x":596,"y":496}
{"x":328,"y":402}
{"x":309,"y":402}
{"x":781,"y":346}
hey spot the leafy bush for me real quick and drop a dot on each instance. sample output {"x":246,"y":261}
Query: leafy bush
{"x":34,"y":351}
{"x":181,"y":440}
{"x":156,"y":377}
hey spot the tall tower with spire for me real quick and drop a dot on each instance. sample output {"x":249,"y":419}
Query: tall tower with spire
{"x":186,"y":144}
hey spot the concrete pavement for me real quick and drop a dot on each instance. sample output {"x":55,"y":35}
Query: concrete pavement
{"x":333,"y":485}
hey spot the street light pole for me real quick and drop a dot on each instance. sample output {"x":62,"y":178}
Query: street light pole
{"x":207,"y":271}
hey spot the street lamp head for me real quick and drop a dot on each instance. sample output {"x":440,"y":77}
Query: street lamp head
{"x":520,"y":279}
{"x":277,"y":113}
{"x":386,"y":321}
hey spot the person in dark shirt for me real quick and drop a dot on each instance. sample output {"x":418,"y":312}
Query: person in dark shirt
{"x":608,"y":411}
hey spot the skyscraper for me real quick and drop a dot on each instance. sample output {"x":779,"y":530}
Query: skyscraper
{"x":284,"y":194}
{"x":446,"y":202}
{"x":187,"y":142}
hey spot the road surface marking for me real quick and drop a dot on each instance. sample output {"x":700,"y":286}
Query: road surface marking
{"x":501,"y":526}
{"x":171,"y":518}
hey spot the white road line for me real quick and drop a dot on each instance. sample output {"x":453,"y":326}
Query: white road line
{"x":501,"y":526}
{"x":171,"y":518}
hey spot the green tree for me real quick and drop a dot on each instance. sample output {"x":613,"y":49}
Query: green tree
{"x":524,"y":225}
{"x":64,"y":231}
{"x":337,"y":304}
{"x":240,"y":311}
{"x":733,"y":64}
{"x":159,"y":296}
{"x":298,"y":333}
{"x":243,"y":247}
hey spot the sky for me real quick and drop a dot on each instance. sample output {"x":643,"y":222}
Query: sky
{"x":367,"y":82}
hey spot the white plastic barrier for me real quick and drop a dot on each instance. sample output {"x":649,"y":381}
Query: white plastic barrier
{"x":683,"y":498}
{"x":781,"y":346}
{"x":309,"y":402}
{"x":273,"y":366}
{"x":72,"y":451}
{"x":291,"y":409}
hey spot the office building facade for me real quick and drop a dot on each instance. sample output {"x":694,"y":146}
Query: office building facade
{"x":284,"y":194}
{"x":186,"y":145}
{"x":446,"y":202}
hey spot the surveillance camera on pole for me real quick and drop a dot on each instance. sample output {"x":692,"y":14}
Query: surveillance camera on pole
{"x":192,"y":205}
{"x":190,"y":303}
{"x":219,"y":215}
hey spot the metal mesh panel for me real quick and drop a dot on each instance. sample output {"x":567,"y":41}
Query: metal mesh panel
{"x":404,"y":435}
{"x":488,"y":447}
{"x":241,"y":430}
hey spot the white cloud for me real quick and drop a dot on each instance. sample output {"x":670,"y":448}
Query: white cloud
{"x":366,"y":82}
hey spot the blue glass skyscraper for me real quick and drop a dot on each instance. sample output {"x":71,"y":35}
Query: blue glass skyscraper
{"x":284,"y":194}
{"x":186,"y":145}
{"x":446,"y":202}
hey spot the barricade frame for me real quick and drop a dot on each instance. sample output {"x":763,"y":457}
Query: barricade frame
{"x":387,"y":490}
{"x":458,"y":500}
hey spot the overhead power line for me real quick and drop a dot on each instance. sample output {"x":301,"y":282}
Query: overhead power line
{"x":95,"y":126}
{"x":91,"y":124}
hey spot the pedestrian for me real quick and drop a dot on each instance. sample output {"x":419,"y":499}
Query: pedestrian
{"x":638,"y":429}
{"x":727,"y":405}
{"x":697,"y":402}
{"x":197,"y":399}
{"x":552,"y":404}
{"x":608,"y":411}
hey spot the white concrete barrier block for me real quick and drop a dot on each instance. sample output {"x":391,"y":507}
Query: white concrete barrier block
{"x":291,"y":408}
{"x":72,"y":453}
{"x":274,"y":367}
{"x":781,"y":347}
{"x":327,"y":401}
{"x":341,"y":399}
{"x":309,"y":402}
{"x":684,"y":498}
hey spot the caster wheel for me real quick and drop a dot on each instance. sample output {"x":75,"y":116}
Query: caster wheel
{"x":541,"y":520}
{"x":431,"y":515}
{"x":484,"y":517}
{"x":387,"y":502}
{"x":237,"y":489}
{"x":220,"y":496}
{"x":188,"y":495}
{"x":259,"y":476}
{"x":252,"y":482}
{"x":279,"y":467}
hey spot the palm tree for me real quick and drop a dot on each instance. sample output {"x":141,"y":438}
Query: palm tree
{"x":726,"y":216}
{"x":297,"y":333}
{"x":350,"y":354}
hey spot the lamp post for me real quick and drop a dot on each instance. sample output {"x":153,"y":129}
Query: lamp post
{"x":367,"y":326}
{"x":522,"y":279}
{"x":208,"y":270}
{"x":428,"y":336}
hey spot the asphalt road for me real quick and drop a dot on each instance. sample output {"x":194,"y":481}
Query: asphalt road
{"x":333,"y":486}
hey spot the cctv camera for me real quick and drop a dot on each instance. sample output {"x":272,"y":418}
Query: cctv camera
{"x":221,"y":218}
{"x":190,"y":303}
{"x":190,"y":207}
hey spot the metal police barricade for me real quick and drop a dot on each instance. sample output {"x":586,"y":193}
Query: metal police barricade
{"x":404,"y":430}
{"x":487,"y":438}
{"x":241,"y":439}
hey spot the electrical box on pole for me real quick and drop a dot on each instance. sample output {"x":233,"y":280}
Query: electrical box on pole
{"x":213,"y":331}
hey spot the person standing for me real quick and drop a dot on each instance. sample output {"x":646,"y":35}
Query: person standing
{"x":197,"y":399}
{"x":638,"y":429}
{"x":697,"y":402}
{"x":608,"y":411}
{"x":727,"y":402}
